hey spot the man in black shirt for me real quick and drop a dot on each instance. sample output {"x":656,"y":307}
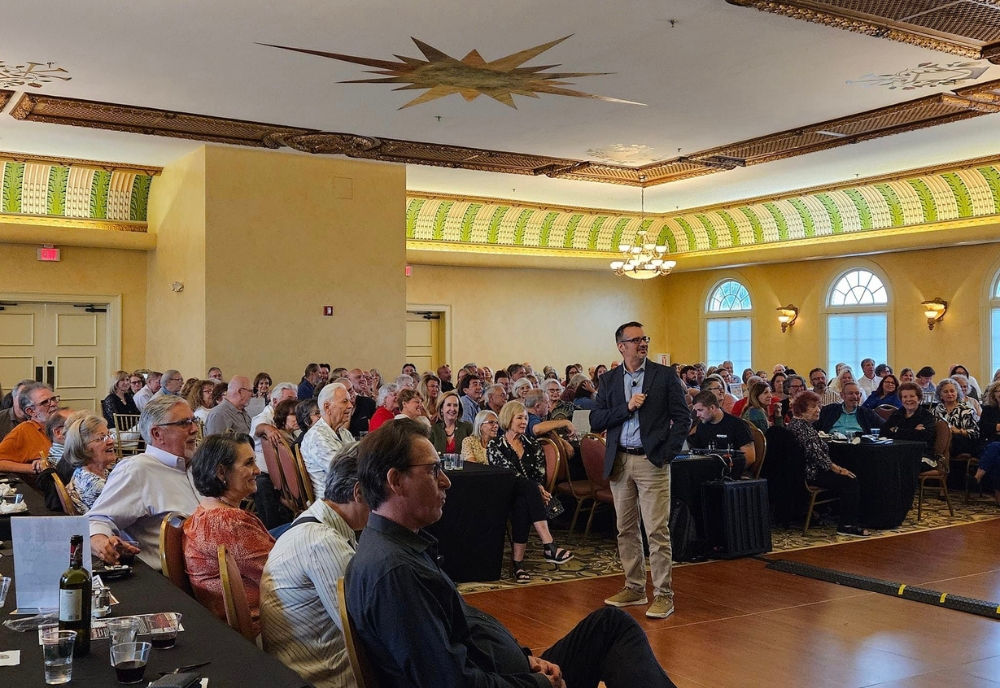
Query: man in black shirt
{"x":720,"y":430}
{"x":395,"y":576}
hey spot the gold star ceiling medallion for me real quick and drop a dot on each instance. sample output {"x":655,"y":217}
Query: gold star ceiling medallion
{"x":470,"y":77}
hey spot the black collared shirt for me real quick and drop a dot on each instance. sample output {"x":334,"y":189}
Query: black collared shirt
{"x":416,"y":626}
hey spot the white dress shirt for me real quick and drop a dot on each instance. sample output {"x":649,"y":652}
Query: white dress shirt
{"x":300,"y":617}
{"x":319,"y":446}
{"x":142,"y":397}
{"x":868,"y":386}
{"x":140,"y":491}
{"x":265,"y":417}
{"x":828,"y":397}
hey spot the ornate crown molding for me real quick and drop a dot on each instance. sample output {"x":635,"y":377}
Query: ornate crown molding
{"x":958,"y":28}
{"x":148,"y":170}
{"x":929,"y":111}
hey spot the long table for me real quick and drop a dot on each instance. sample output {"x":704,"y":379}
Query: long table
{"x":887,"y":475}
{"x":473,"y":525}
{"x":236,"y":662}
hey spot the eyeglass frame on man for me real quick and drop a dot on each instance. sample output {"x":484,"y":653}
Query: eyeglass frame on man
{"x":51,"y":401}
{"x":436,"y":472}
{"x":183,"y":422}
{"x":636,"y":340}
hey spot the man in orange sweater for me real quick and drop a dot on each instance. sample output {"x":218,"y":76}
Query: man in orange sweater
{"x":25,"y":448}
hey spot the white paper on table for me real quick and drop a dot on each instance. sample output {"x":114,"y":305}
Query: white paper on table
{"x":41,"y":554}
{"x":10,"y":657}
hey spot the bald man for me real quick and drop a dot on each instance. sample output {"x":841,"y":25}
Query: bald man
{"x":230,"y":414}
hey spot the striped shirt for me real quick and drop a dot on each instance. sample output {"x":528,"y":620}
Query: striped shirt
{"x":320,"y":444}
{"x":300,"y":617}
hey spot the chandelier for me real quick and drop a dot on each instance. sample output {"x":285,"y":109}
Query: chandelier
{"x":644,"y":260}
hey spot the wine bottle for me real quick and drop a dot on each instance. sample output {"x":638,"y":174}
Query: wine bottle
{"x":75,"y":597}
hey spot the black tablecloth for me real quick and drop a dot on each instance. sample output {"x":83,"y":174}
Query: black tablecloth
{"x":887,"y":474}
{"x":236,"y":663}
{"x":687,"y":474}
{"x":472,"y":529}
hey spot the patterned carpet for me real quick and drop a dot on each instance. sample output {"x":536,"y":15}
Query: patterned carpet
{"x":598,"y":555}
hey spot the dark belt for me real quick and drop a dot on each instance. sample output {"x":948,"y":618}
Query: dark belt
{"x":634,"y":451}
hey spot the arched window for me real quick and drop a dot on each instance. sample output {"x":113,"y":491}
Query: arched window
{"x":729,"y":325}
{"x":857,"y":324}
{"x":995,"y":326}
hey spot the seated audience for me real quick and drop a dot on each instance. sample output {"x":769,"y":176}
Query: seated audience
{"x":868,"y":381}
{"x":827,"y":396}
{"x":848,"y":417}
{"x":714,"y":384}
{"x":558,"y":409}
{"x":298,"y":589}
{"x":757,"y":408}
{"x":989,"y":422}
{"x":25,"y":447}
{"x":925,"y":378}
{"x":285,"y":420}
{"x":55,"y":429}
{"x":394,"y":576}
{"x":387,"y":407}
{"x":364,"y":405}
{"x":583,"y":396}
{"x":959,"y":369}
{"x":215,"y":374}
{"x":914,"y":423}
{"x":90,"y":449}
{"x":188,"y":384}
{"x":495,"y":397}
{"x":906,"y":375}
{"x":721,"y":431}
{"x":470,"y":390}
{"x":409,"y":369}
{"x":119,"y":399}
{"x":537,"y":404}
{"x":135,"y":383}
{"x":961,"y":418}
{"x":430,"y":389}
{"x":261,"y":386}
{"x":201,"y":398}
{"x":444,"y":374}
{"x":963,"y":384}
{"x":306,"y":415}
{"x":375,"y":379}
{"x":148,"y":486}
{"x":149,"y":390}
{"x":449,"y":432}
{"x":411,"y":405}
{"x":794,"y":386}
{"x":886,"y":393}
{"x":170,"y":384}
{"x":598,"y":371}
{"x":499,"y":378}
{"x":310,"y":378}
{"x":230,"y":415}
{"x":520,"y":389}
{"x":404,"y":382}
{"x":517,"y":450}
{"x":328,"y":435}
{"x":484,"y":429}
{"x":225,"y":472}
{"x":13,"y":415}
{"x":820,"y":470}
{"x":264,"y":427}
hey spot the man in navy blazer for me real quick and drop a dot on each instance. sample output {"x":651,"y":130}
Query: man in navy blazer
{"x":642,"y":406}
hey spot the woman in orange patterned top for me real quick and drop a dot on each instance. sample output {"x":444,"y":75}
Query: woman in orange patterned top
{"x":224,"y":470}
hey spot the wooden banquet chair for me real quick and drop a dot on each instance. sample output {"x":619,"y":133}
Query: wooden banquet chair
{"x":939,"y":475}
{"x":172,"y":551}
{"x":64,"y":499}
{"x":580,"y":490}
{"x":884,"y":411}
{"x":361,"y":665}
{"x":234,"y":595}
{"x":127,"y":440}
{"x":600,"y":487}
{"x":814,"y":500}
{"x":272,"y":459}
{"x":553,"y":460}
{"x":759,"y":448}
{"x":305,"y":483}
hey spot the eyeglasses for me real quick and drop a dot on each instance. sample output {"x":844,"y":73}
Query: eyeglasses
{"x":796,"y":386}
{"x":435,"y":467}
{"x":51,"y":401}
{"x":102,"y":438}
{"x":183,"y":423}
{"x":636,"y":340}
{"x":491,"y":422}
{"x":244,"y":389}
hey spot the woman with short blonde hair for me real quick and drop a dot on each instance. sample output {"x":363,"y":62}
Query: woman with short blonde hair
{"x":90,"y":449}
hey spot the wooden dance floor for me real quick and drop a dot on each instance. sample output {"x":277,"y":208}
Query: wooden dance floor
{"x":739,"y":624}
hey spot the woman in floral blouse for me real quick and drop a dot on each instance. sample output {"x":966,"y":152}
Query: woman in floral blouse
{"x":517,"y":451}
{"x":820,"y":470}
{"x":960,"y":417}
{"x":90,"y":449}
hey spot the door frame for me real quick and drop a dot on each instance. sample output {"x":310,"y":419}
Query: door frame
{"x":113,"y":322}
{"x":445,"y":310}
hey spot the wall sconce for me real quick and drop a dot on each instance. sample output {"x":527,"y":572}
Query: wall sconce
{"x":787,"y":315}
{"x":934,"y":311}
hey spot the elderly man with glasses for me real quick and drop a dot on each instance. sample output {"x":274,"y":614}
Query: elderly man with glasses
{"x":126,"y":518}
{"x":24,"y":449}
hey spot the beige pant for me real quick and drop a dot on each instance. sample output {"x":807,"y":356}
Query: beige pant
{"x":639,"y":487}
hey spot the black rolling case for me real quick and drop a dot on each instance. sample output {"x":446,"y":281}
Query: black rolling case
{"x":737,"y":518}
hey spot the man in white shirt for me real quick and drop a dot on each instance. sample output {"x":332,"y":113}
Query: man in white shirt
{"x":151,"y":387}
{"x":868,"y":381}
{"x":142,"y":490}
{"x":262,"y":429}
{"x":329,"y":434}
{"x":300,"y":617}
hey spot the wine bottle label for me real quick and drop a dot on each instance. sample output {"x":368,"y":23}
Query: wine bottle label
{"x":70,"y":605}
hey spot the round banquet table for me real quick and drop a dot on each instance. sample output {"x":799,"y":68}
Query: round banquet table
{"x":888,"y":475}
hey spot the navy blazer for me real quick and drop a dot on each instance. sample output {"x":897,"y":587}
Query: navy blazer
{"x":664,"y":419}
{"x":829,"y":414}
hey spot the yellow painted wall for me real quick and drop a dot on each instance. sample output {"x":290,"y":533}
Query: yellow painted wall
{"x":85,"y":271}
{"x":960,"y":275}
{"x":546,"y":317}
{"x":176,"y":321}
{"x":289,"y":234}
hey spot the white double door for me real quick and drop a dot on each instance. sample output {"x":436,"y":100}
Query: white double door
{"x":62,"y":344}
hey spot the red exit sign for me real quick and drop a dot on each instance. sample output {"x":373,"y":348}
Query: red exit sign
{"x":48,"y":254}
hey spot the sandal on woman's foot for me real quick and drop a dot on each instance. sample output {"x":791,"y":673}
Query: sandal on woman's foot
{"x":853,"y":531}
{"x":520,"y":574}
{"x":556,"y":555}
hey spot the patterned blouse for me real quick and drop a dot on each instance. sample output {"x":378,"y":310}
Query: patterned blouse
{"x":562,"y":411}
{"x":473,"y":450}
{"x":246,"y":539}
{"x":85,"y":488}
{"x":815,"y":449}
{"x":962,"y":417}
{"x":530,"y":465}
